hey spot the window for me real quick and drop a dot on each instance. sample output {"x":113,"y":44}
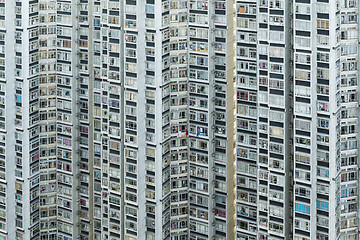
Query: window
{"x":322,"y":205}
{"x":345,"y":177}
{"x":322,"y":106}
{"x":301,"y":158}
{"x":302,"y":224}
{"x":302,"y":91}
{"x":322,"y":156}
{"x":276,"y":4}
{"x":322,"y":40}
{"x":302,"y":191}
{"x":276,"y":100}
{"x":322,"y":172}
{"x":322,"y":7}
{"x":348,"y":161}
{"x":302,"y":175}
{"x":322,"y":221}
{"x":302,"y":208}
{"x":324,"y":57}
{"x":276,"y":132}
{"x":302,"y":8}
{"x":302,"y":42}
{"x":302,"y":25}
{"x":322,"y":24}
{"x":302,"y":125}
{"x":248,"y":23}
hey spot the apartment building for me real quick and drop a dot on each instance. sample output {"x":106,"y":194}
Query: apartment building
{"x":264,"y":102}
{"x":186,"y":119}
{"x":123,"y":121}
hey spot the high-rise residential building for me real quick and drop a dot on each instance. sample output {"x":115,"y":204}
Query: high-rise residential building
{"x":297,"y":119}
{"x":179,"y":119}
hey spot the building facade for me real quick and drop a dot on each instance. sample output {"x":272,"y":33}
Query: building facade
{"x":179,"y":119}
